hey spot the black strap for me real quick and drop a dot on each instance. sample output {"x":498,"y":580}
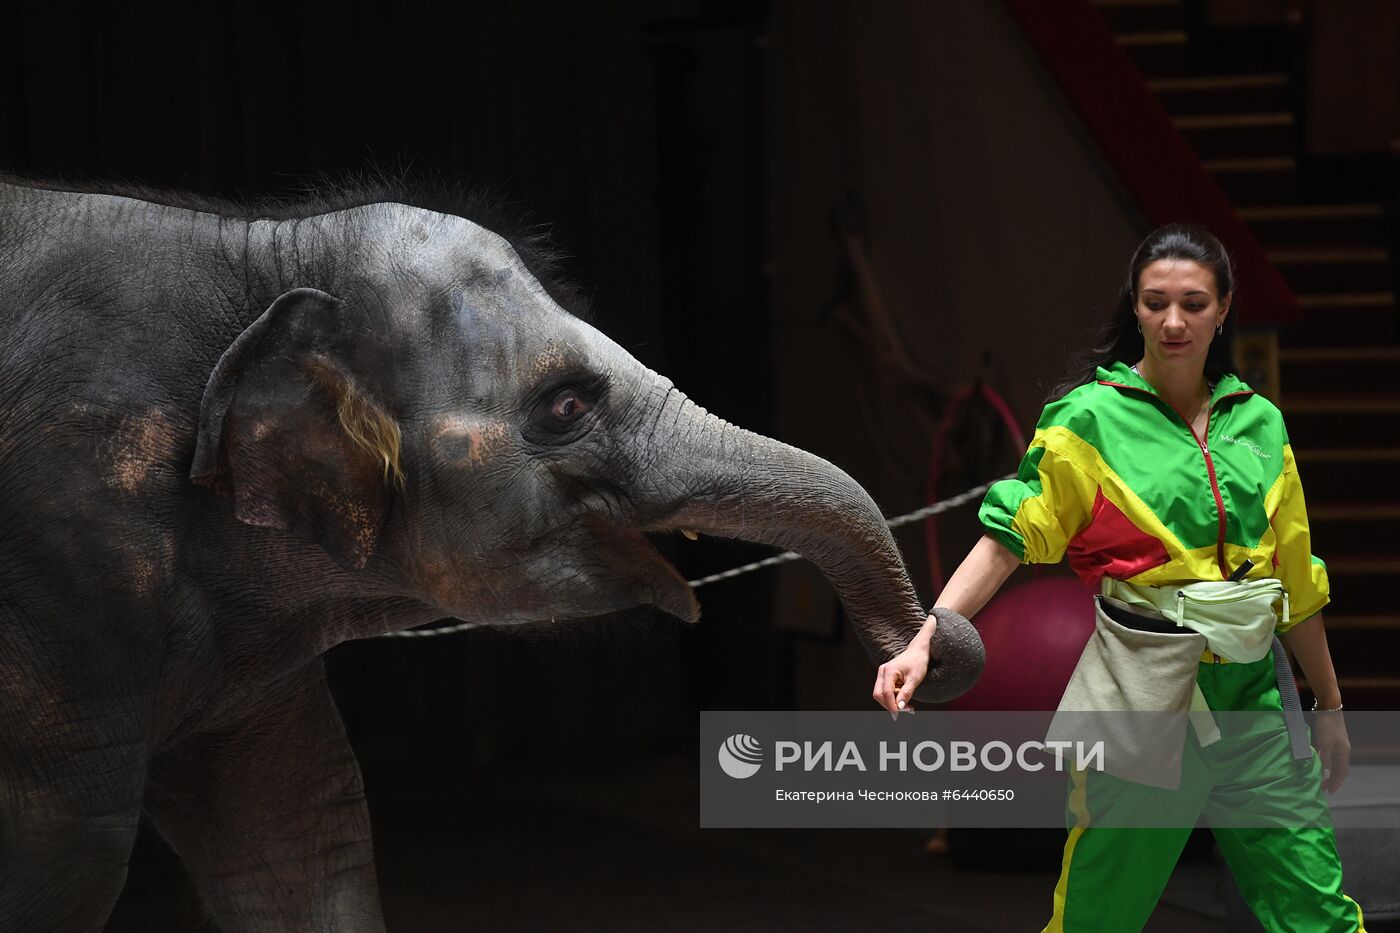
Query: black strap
{"x":1141,"y":623}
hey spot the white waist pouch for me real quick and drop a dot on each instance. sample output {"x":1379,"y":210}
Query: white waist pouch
{"x":1237,"y":619}
{"x":1125,"y":670}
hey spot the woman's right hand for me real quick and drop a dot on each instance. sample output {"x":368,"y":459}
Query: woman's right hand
{"x":982,"y":572}
{"x":900,"y":676}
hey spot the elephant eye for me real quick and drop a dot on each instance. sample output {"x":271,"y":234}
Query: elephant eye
{"x":564,"y":413}
{"x":568,"y":405}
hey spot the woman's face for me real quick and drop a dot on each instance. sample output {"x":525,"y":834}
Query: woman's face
{"x":1178,"y":310}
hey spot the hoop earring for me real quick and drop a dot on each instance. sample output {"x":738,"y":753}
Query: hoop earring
{"x":1139,"y":327}
{"x":1219,"y":329}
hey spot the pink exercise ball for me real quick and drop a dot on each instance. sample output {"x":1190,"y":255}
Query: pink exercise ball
{"x":1034,"y":635}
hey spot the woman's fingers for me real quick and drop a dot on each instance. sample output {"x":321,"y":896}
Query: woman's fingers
{"x":906,"y":692}
{"x":898,"y":678}
{"x":888,"y":681}
{"x":893,"y":681}
{"x":1333,"y":750}
{"x":892,"y":685}
{"x":1339,"y":764}
{"x":882,"y":694}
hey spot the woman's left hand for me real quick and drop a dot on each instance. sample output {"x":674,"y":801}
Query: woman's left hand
{"x":1333,"y":749}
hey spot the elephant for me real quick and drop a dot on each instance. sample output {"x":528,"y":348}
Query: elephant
{"x":235,"y":436}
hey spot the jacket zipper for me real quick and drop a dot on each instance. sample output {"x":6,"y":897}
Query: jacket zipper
{"x":1210,"y":466}
{"x":1215,"y":490}
{"x":1214,"y":486}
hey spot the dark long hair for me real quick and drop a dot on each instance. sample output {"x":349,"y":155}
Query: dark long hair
{"x":1118,"y":338}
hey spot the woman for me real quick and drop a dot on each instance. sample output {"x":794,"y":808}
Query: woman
{"x":1156,"y":469}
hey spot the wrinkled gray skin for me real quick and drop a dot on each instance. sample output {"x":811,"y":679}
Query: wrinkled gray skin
{"x":185,"y":527}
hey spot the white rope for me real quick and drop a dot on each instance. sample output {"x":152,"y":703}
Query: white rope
{"x":427,"y":632}
{"x":917,"y":515}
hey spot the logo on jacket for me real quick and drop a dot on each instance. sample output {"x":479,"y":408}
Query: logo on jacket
{"x":1248,"y":445}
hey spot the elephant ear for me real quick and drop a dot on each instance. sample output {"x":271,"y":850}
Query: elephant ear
{"x":289,"y":432}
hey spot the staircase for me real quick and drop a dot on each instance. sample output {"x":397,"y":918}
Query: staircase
{"x":1338,"y":367}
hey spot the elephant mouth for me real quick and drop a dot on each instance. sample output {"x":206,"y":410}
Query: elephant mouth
{"x":661,"y":584}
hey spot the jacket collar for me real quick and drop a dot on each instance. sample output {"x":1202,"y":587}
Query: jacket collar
{"x":1121,"y":374}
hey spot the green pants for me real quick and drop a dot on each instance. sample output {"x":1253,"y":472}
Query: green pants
{"x":1111,"y":877}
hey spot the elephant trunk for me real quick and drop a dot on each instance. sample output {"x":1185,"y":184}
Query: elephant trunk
{"x":738,"y":484}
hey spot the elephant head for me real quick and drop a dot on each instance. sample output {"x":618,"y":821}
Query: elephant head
{"x":442,"y":423}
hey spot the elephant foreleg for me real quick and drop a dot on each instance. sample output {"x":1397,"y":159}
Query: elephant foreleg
{"x":269,"y":816}
{"x":74,"y":729}
{"x":66,"y":836}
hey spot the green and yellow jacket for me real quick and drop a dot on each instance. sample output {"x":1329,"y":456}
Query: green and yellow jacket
{"x":1118,"y":480}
